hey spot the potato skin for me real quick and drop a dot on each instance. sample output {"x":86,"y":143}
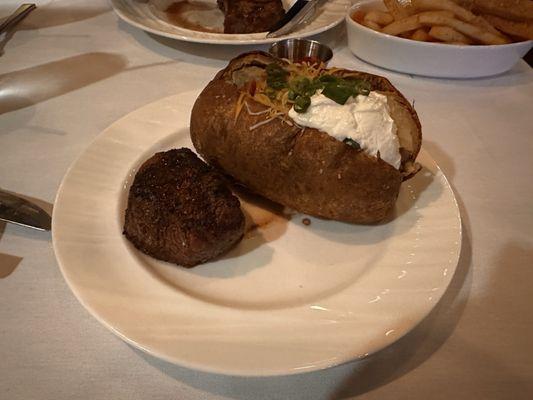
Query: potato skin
{"x":306,"y":170}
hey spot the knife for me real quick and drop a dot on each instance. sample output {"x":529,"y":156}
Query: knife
{"x":19,"y":211}
{"x":298,"y":13}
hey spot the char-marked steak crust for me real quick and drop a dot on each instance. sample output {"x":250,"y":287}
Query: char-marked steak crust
{"x":249,"y":16}
{"x":180,"y":210}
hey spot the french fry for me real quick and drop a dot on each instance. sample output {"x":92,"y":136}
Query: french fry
{"x":358,"y":16}
{"x":453,"y":21}
{"x":473,"y":31}
{"x":413,"y":22}
{"x":461,"y":13}
{"x":379,"y":17}
{"x":468,"y":4}
{"x":516,"y":10}
{"x":483,"y":23}
{"x":443,"y":5}
{"x":371,"y":25}
{"x":402,"y":25}
{"x":421,"y":35}
{"x":521,"y":29}
{"x":397,"y":10}
{"x":405,"y":35}
{"x":448,"y":35}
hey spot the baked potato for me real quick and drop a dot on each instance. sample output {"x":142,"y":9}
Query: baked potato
{"x":240,"y":125}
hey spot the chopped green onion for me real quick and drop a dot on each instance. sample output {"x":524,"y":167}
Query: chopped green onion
{"x":302,"y":103}
{"x":292,"y":95}
{"x":276,"y":76}
{"x":328,"y":78}
{"x":271,"y":93}
{"x":339,"y":93}
{"x":340,"y":89}
{"x":301,"y":88}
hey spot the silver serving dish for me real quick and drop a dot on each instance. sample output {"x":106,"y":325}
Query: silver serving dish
{"x":297,"y":50}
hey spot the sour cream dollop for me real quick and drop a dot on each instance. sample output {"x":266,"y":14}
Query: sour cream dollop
{"x":364,"y":119}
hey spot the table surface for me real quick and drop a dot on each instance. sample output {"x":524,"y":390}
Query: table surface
{"x":72,"y":68}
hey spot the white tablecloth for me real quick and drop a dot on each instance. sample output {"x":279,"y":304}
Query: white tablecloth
{"x":72,"y":68}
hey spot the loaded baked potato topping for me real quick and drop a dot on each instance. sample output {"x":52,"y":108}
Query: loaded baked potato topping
{"x":309,"y":95}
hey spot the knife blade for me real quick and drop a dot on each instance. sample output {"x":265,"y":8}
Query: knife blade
{"x":20,"y":211}
{"x":298,"y":13}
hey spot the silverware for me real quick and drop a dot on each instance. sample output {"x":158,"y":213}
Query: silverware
{"x":19,"y":14}
{"x":299,"y":13}
{"x":19,"y":211}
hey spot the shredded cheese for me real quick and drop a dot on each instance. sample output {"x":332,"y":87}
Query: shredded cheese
{"x":277,"y":107}
{"x":239,"y":106}
{"x":261,"y":123}
{"x":250,"y":112}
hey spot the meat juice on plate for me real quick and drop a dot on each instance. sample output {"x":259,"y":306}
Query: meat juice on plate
{"x":196,"y":15}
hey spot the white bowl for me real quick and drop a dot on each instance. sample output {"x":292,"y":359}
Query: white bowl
{"x":428,"y":59}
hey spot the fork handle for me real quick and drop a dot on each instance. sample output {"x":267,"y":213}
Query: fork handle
{"x":19,"y":14}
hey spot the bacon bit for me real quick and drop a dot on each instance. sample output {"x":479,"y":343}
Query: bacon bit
{"x":252,"y":88}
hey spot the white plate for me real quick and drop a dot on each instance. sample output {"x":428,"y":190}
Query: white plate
{"x":149,"y":16}
{"x":289,"y":298}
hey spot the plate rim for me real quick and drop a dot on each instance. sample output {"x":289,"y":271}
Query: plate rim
{"x":233,"y":42}
{"x":342,"y":359}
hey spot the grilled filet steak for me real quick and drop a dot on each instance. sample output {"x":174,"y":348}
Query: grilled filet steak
{"x":181,"y":211}
{"x":248,"y":16}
